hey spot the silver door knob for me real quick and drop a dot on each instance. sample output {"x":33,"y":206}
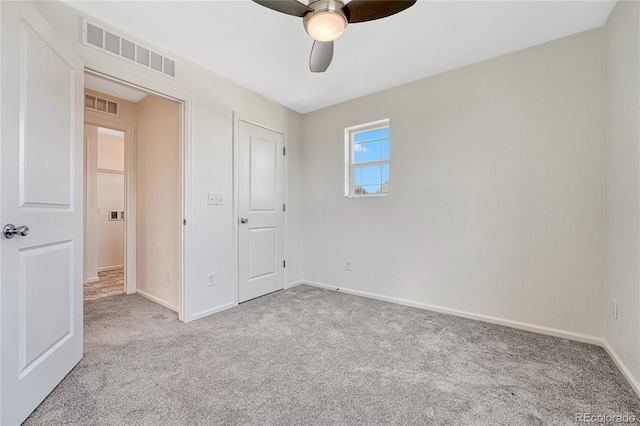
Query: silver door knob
{"x":11,"y":231}
{"x":244,"y":220}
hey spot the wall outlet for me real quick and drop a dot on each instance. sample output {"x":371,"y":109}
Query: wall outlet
{"x":614,"y":309}
{"x":168,"y":275}
{"x":347,"y":265}
{"x":212,"y":279}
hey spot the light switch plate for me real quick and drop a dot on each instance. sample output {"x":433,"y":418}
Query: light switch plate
{"x":216,"y":198}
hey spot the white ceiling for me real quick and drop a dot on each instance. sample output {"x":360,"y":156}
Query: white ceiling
{"x":114,"y":89}
{"x":268,"y":52}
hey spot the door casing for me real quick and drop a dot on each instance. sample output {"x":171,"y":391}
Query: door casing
{"x":100,"y":70}
{"x":130,"y":196}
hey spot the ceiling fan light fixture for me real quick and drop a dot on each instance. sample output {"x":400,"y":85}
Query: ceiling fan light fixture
{"x":325,"y":25}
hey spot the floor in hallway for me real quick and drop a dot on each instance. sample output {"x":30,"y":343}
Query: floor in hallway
{"x":111,"y":283}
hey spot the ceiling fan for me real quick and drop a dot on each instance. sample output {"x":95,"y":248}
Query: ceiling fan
{"x":326,"y":20}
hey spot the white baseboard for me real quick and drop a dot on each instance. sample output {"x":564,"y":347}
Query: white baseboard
{"x":213,"y":310}
{"x":157,"y":300}
{"x":478,"y":317}
{"x":293,"y":284}
{"x":623,"y":368}
{"x":92,"y":280}
{"x":110,"y":268}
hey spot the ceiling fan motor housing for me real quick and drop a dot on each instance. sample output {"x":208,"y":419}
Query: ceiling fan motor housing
{"x":324,"y":7}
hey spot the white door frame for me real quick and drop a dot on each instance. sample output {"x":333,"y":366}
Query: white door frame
{"x":129,"y":193}
{"x":117,"y":76}
{"x":237,"y":118}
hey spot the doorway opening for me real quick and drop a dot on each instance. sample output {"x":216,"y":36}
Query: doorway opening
{"x":105,"y":209}
{"x":133,"y":192}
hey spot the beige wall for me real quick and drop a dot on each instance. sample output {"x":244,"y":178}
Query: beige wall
{"x":110,"y":197}
{"x":158,"y":199}
{"x":623,"y":185}
{"x":111,"y":152}
{"x":497,"y":190}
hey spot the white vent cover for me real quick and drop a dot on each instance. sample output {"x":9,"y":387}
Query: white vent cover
{"x":96,"y":103}
{"x":95,"y":36}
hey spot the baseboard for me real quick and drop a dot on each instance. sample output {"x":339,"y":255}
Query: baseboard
{"x":621,"y":365}
{"x":478,"y":317}
{"x":213,"y":310}
{"x":110,"y":268}
{"x":157,"y":300}
{"x":92,"y":280}
{"x":295,"y":283}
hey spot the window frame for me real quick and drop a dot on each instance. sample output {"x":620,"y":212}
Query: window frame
{"x":349,"y":136}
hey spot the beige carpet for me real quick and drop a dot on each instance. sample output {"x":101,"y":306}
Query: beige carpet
{"x":307,"y":356}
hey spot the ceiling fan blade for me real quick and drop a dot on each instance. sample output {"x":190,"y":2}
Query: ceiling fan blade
{"x":290,"y":7}
{"x":321,"y":55}
{"x":368,"y":10}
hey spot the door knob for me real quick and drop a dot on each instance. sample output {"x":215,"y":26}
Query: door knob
{"x":244,"y":220}
{"x":11,"y":231}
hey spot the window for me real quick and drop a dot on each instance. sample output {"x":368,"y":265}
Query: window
{"x":367,"y":159}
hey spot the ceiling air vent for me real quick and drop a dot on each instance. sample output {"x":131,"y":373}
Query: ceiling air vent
{"x":96,"y":103}
{"x":93,"y":35}
{"x":112,"y":42}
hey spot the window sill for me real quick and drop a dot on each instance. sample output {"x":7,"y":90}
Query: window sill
{"x":367,"y":195}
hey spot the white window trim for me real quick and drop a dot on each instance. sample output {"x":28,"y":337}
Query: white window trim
{"x":348,"y":157}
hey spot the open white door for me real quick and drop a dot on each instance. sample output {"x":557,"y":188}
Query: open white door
{"x":260,"y":205}
{"x":41,"y":109}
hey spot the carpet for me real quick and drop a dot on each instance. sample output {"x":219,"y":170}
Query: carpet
{"x":307,"y":356}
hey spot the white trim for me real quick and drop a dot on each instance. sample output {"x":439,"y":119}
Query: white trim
{"x":479,"y":317}
{"x":350,"y":165}
{"x":234,"y":215}
{"x":294,"y":284}
{"x":130,"y":194}
{"x":157,"y":300}
{"x":185,"y":194}
{"x":92,"y":280}
{"x":214,"y":310}
{"x":383,"y":194}
{"x":635,"y":385}
{"x":110,"y":268}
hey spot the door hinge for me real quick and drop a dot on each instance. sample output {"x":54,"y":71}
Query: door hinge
{"x":184,"y":221}
{"x":284,"y":207}
{"x":284,"y":263}
{"x":284,"y":151}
